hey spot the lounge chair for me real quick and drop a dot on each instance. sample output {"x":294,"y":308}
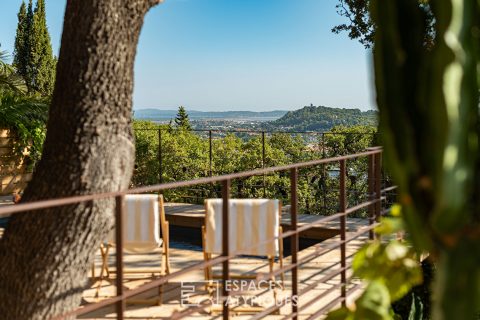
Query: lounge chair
{"x":252,"y":222}
{"x":144,"y":219}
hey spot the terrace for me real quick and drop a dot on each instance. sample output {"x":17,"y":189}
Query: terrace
{"x":318,"y":253}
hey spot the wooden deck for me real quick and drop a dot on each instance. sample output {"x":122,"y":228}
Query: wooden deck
{"x":193,"y":216}
{"x":182,"y":257}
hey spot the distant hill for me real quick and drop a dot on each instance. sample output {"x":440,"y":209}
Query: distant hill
{"x":157,"y":114}
{"x":312,"y":118}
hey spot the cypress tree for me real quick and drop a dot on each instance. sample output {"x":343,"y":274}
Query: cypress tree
{"x":181,"y":120}
{"x":28,"y":67}
{"x":41,"y":53}
{"x":33,"y":56}
{"x":20,"y":53}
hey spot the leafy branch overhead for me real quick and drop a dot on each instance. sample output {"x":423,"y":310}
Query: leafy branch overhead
{"x":360,"y":25}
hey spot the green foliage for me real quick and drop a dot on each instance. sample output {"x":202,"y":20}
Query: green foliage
{"x":9,"y":79}
{"x":373,"y":304}
{"x":390,"y":269}
{"x":25,"y":115}
{"x":33,"y":57}
{"x":185,"y":155}
{"x":393,"y":263}
{"x":361,"y":27}
{"x":321,"y":118}
{"x":181,"y":120}
{"x":416,"y":304}
{"x":429,"y":121}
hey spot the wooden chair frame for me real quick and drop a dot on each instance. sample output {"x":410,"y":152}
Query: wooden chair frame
{"x":208,"y":272}
{"x":165,"y":259}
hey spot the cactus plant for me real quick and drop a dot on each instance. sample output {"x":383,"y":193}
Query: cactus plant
{"x":428,"y":103}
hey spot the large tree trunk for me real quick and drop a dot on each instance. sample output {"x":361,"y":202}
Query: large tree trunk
{"x":45,"y":255}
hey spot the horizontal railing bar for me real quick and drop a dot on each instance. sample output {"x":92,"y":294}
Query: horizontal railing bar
{"x":361,"y":206}
{"x":202,"y":305}
{"x":311,"y":225}
{"x":388,"y":189}
{"x":385,"y":212}
{"x":173,"y":185}
{"x":315,"y":254}
{"x":324,"y":278}
{"x":330,"y":267}
{"x":321,"y":295}
{"x":335,"y":287}
{"x":333,"y":302}
{"x":291,"y":315}
{"x":327,"y":307}
{"x":268,"y":311}
{"x":355,"y":287}
{"x":89,"y":308}
{"x":362,"y":231}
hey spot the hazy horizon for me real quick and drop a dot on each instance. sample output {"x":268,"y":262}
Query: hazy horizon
{"x":187,"y":108}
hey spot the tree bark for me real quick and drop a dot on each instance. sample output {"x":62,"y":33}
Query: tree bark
{"x":45,"y":255}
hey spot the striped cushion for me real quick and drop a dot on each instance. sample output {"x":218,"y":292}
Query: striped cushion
{"x":142,"y":223}
{"x":251,"y":222}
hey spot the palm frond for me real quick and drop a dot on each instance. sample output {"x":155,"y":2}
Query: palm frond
{"x":9,"y":79}
{"x":16,"y":110}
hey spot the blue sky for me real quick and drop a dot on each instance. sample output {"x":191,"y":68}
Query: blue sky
{"x":236,"y":55}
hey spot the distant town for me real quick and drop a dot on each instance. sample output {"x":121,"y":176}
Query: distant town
{"x":308,"y":118}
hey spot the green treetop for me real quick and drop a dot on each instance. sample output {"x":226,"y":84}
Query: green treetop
{"x":33,"y":56}
{"x":41,"y":50}
{"x":181,"y":120}
{"x":21,"y":51}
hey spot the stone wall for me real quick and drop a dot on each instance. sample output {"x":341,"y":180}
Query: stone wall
{"x":14,"y":175}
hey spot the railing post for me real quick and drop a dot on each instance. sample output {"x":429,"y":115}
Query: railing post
{"x":119,"y":208}
{"x":225,"y":245}
{"x":210,"y":154}
{"x":294,"y":238}
{"x":324,"y":173}
{"x":378,"y":185}
{"x":343,"y":222}
{"x":371,"y":193}
{"x":160,"y":156}
{"x":323,"y":145}
{"x":263,"y":164}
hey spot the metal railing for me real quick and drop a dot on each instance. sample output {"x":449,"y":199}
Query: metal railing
{"x":317,"y":136}
{"x":374,"y":206}
{"x":160,"y":163}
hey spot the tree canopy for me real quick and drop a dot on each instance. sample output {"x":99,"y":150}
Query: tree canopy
{"x":313,"y":118}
